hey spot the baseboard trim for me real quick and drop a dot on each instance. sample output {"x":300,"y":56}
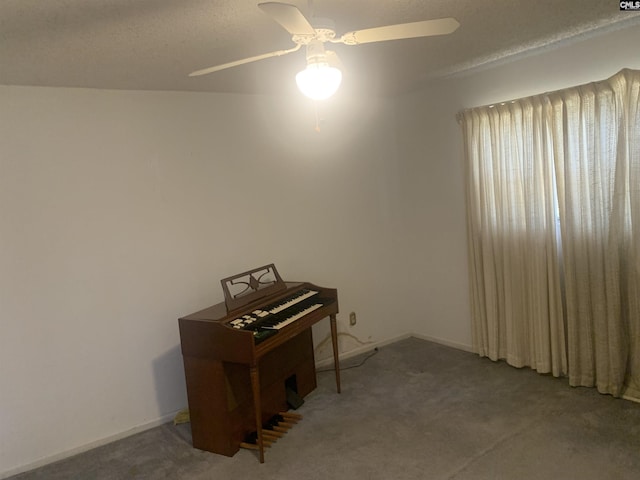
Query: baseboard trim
{"x":372,"y":346}
{"x":88,"y":446}
{"x":446,"y":343}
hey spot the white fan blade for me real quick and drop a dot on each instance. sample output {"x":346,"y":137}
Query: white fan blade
{"x":289,"y":17}
{"x":425,"y":28}
{"x":278,"y":53}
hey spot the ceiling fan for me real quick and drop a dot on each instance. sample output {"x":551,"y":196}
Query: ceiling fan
{"x":322,"y":76}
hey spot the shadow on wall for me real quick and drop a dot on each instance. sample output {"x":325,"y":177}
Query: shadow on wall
{"x":168,"y":375}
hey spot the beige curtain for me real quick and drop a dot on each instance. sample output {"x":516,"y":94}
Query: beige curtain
{"x":515,"y":274}
{"x":570,"y":158}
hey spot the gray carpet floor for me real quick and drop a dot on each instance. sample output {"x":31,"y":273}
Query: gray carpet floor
{"x":413,"y":410}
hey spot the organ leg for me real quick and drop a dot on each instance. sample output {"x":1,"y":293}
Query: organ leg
{"x":257,"y":406}
{"x":334,"y":342}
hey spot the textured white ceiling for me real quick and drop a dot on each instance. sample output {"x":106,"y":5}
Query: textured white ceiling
{"x":154,"y":44}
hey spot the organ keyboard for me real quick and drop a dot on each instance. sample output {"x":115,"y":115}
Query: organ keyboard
{"x":279,"y":314}
{"x":244,"y":356}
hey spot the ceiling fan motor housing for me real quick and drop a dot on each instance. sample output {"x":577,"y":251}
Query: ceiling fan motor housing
{"x":325,"y":31}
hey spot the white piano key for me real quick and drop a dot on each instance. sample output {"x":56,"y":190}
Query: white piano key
{"x":298,"y":299}
{"x":295,"y":317}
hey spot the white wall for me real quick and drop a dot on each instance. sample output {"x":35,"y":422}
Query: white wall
{"x":121,"y":211}
{"x":430,"y":159}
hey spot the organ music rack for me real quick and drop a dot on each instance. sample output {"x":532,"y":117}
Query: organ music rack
{"x":238,"y":370}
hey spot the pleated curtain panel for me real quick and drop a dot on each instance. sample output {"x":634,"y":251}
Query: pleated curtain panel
{"x":553,"y":217}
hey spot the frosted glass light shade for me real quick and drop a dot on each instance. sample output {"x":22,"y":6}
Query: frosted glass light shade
{"x":319,"y":81}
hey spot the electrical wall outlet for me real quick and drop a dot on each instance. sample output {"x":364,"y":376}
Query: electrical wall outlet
{"x":352,"y":319}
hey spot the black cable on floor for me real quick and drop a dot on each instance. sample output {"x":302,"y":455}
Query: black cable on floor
{"x":373,"y":352}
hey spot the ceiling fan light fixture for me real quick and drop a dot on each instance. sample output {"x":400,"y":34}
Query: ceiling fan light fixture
{"x":323,"y":74}
{"x":319,"y":80}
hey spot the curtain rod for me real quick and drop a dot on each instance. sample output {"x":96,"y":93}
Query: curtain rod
{"x":460,"y":114}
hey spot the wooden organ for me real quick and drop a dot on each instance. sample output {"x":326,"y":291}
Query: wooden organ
{"x":245,"y":357}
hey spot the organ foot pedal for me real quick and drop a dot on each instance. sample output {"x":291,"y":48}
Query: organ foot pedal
{"x":274,"y":429}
